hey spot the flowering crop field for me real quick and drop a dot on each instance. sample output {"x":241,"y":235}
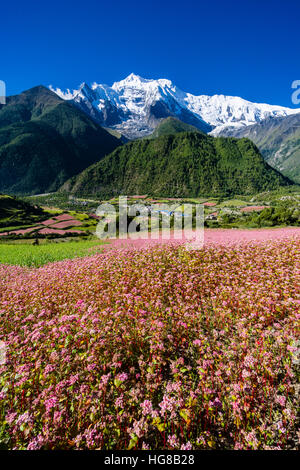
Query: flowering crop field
{"x":158,"y":348}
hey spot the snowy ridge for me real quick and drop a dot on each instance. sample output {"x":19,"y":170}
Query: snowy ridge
{"x":134,"y":106}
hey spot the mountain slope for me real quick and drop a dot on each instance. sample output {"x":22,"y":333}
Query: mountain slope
{"x":182,"y":165}
{"x":45,"y":140}
{"x":171,"y":126}
{"x":14,"y":212}
{"x":134,"y":107}
{"x":279,"y":141}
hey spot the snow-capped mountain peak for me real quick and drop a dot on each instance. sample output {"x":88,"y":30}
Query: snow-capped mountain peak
{"x":134,"y":80}
{"x":65,"y":95}
{"x":131,"y":80}
{"x":135,"y":105}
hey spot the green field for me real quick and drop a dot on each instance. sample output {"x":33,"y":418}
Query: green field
{"x":233,"y":203}
{"x":24,"y":254}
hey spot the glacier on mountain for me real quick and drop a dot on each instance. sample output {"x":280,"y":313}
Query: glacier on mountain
{"x":134,"y":106}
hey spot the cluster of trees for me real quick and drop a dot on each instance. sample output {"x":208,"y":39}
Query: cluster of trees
{"x":280,"y":215}
{"x":269,"y":217}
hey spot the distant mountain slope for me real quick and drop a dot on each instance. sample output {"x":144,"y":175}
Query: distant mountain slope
{"x":182,"y":165}
{"x":14,"y":212}
{"x":117,"y":134}
{"x":134,"y":106}
{"x":45,"y":140}
{"x":279,"y":141}
{"x":171,"y":126}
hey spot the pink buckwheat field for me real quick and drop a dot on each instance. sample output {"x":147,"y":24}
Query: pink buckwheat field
{"x":154,"y":348}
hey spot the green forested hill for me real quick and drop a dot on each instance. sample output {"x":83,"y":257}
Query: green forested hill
{"x":181,"y":165}
{"x":44,"y":141}
{"x":170,"y":126}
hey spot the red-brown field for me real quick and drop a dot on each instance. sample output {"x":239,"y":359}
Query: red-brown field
{"x":253,"y":208}
{"x":69,"y":223}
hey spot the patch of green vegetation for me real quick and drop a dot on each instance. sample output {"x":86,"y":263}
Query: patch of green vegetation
{"x":233,"y":203}
{"x":23,"y":254}
{"x":15,"y":227}
{"x":276,"y":216}
{"x":79,"y":216}
{"x":199,"y":200}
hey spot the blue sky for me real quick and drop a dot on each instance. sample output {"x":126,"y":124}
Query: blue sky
{"x":248,"y":48}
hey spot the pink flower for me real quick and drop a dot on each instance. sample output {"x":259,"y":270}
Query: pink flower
{"x":246,"y":373}
{"x":146,"y":406}
{"x":281,"y":400}
{"x":10,"y":417}
{"x":122,"y":377}
{"x":73,"y":379}
{"x":36,"y":443}
{"x":51,"y":403}
{"x":173,"y":441}
{"x":187,"y":446}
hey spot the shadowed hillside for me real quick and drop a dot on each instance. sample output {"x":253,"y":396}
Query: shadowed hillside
{"x":44,"y":141}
